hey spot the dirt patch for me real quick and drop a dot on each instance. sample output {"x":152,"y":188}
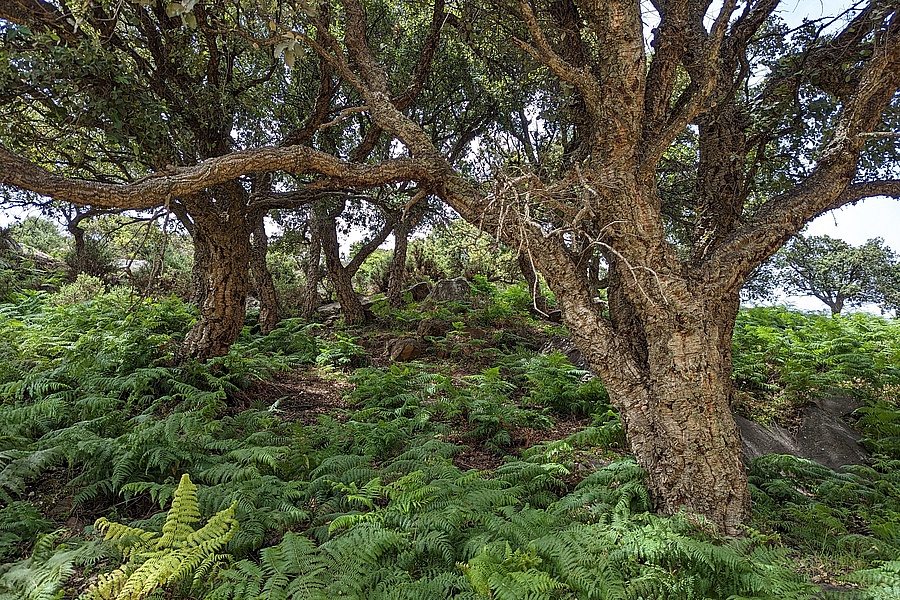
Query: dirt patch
{"x":302,"y":395}
{"x":526,"y":437}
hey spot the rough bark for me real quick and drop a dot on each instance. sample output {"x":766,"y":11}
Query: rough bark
{"x":221,"y":273}
{"x":397,"y":274}
{"x":311,"y":269}
{"x":262,"y":280}
{"x":340,"y":277}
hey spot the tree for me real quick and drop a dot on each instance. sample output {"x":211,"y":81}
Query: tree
{"x":837,"y":273}
{"x":780,"y":130}
{"x":171,"y":99}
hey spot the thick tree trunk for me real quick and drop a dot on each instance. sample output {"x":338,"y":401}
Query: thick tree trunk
{"x":262,"y":280}
{"x":340,"y":277}
{"x":397,"y":275}
{"x":221,"y":277}
{"x":674,"y":401}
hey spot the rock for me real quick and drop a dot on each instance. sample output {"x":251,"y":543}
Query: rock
{"x":839,"y":406}
{"x":404,"y":349}
{"x":473,"y":332}
{"x":828,"y":440}
{"x":330,"y":309}
{"x":758,"y":439}
{"x":822,"y":437}
{"x":419,"y":291}
{"x":432,"y":328}
{"x":451,"y":290}
{"x":565,"y":345}
{"x":132,"y":266}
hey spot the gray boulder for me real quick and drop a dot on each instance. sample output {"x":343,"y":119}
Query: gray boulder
{"x":419,"y":291}
{"x":822,"y":437}
{"x":451,"y":290}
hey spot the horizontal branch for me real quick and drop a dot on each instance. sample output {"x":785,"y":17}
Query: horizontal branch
{"x":868,"y":189}
{"x":177,"y":182}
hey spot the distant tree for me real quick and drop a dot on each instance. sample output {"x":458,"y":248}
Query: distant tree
{"x":40,"y":234}
{"x":837,"y":273}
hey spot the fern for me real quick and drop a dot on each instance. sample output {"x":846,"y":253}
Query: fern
{"x":179,"y":552}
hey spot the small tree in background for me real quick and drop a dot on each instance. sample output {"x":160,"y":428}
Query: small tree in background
{"x":837,"y":273}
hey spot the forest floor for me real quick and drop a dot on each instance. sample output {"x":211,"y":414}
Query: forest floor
{"x":478,"y":468}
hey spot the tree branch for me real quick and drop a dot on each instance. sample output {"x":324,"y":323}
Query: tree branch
{"x":155,"y":190}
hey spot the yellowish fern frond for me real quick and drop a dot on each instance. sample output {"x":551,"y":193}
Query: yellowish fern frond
{"x":179,"y":553}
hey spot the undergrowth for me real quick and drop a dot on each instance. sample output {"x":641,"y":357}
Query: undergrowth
{"x":111,"y":457}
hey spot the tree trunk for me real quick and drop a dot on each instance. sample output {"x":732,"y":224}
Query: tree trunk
{"x":674,"y":398}
{"x":531,"y":278}
{"x":80,"y":262}
{"x":221,"y":277}
{"x":262,"y":280}
{"x":340,"y":277}
{"x":313,"y":273}
{"x":397,"y":275}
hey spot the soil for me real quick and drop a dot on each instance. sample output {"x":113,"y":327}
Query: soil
{"x":300,"y":395}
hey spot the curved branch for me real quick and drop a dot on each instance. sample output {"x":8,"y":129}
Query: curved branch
{"x":784,"y":215}
{"x":156,"y":189}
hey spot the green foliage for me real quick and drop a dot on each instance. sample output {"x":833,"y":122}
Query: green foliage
{"x":156,"y":559}
{"x":372,"y":501}
{"x":839,"y":274}
{"x":459,"y":249}
{"x":53,"y":561}
{"x":788,"y":358}
{"x":556,"y":384}
{"x":343,"y":353}
{"x":39,"y":234}
{"x":850,"y":516}
{"x":83,"y":289}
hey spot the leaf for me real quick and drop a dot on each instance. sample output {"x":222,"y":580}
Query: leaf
{"x":174,"y":9}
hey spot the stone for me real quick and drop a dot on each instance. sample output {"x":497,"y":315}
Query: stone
{"x":451,"y":290}
{"x":561,"y":343}
{"x":330,"y":309}
{"x":403,"y":349}
{"x":822,"y":437}
{"x":131,"y":266}
{"x":839,"y":406}
{"x":419,"y":291}
{"x":758,"y":439}
{"x":828,"y":440}
{"x":432,"y":328}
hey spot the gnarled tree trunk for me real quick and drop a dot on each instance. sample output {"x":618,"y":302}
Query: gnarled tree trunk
{"x":221,"y":277}
{"x":262,"y":279}
{"x":672,"y":386}
{"x":341,"y":278}
{"x":397,"y":274}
